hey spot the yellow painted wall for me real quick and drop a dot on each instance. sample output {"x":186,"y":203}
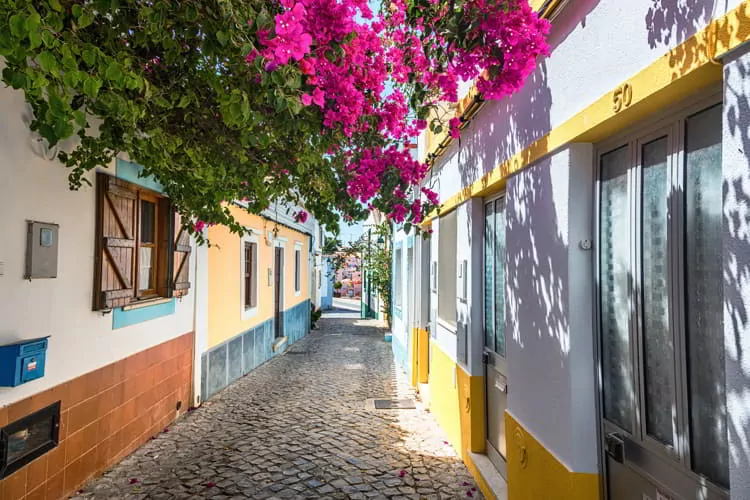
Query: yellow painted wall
{"x":457,"y":402}
{"x":535,"y":473}
{"x":225,"y":278}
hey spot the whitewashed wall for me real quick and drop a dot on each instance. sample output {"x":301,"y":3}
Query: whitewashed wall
{"x":548,"y":310}
{"x":597,"y":45}
{"x":32,"y":188}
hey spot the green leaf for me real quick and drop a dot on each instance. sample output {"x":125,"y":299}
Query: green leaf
{"x":76,"y":10}
{"x":35,"y":40}
{"x":18,"y":25}
{"x":15,"y":79}
{"x":32,"y":22}
{"x":48,"y":38}
{"x":184,"y":102}
{"x":114,"y":73}
{"x":85,"y":20}
{"x":222,"y":37}
{"x":71,"y":78}
{"x":56,"y":5}
{"x":89,"y":56}
{"x":80,"y":118}
{"x":47,"y":62}
{"x":91,"y":86}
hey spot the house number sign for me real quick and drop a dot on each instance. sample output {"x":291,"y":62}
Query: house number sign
{"x":622,"y":97}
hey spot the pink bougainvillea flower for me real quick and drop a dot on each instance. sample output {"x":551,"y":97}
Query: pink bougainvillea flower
{"x":318,"y":97}
{"x":455,"y":127}
{"x":199,"y":226}
{"x":210,"y":484}
{"x":306,"y":99}
{"x":301,"y":216}
{"x":166,"y":429}
{"x":469,"y":494}
{"x":402,"y":473}
{"x":133,"y":481}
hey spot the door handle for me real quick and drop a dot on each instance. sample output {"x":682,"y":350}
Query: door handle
{"x":615,"y":446}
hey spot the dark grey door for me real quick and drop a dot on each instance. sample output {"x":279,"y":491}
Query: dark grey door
{"x":496,"y":365}
{"x":661,"y":352}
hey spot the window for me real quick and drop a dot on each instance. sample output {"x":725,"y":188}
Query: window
{"x":494,"y":276}
{"x":147,"y":245}
{"x":297,"y":269}
{"x":249,"y":265}
{"x":397,"y":278}
{"x":141,"y":249}
{"x":447,"y":268}
{"x":660,"y":249}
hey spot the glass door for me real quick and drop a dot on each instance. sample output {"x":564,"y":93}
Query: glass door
{"x":496,"y":366}
{"x":660,"y":313}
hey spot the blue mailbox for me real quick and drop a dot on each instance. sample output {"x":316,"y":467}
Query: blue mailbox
{"x":22,"y":361}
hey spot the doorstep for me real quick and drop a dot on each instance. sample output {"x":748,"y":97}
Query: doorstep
{"x":280,"y":344}
{"x":490,"y":477}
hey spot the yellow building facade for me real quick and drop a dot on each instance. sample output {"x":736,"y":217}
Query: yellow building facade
{"x":258,"y":296}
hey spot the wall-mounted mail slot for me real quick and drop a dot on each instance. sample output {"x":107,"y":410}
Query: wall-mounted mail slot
{"x":22,"y":361}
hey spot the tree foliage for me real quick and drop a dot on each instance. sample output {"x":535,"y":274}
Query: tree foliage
{"x":263,"y":101}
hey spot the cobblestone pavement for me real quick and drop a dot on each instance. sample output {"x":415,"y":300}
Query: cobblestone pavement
{"x":299,"y":427}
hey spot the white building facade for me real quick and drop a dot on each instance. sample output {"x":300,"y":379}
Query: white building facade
{"x":583,"y":294}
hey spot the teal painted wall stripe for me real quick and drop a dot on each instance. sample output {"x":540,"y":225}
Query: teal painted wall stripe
{"x":129,"y":171}
{"x":121,"y":319}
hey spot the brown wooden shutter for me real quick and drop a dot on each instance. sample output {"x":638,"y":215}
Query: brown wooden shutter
{"x":180,"y":258}
{"x":114,"y":260}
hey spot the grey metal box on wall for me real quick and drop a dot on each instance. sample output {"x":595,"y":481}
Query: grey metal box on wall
{"x":41,"y":250}
{"x":462,"y":346}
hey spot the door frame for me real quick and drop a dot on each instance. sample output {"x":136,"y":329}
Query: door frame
{"x":673,"y":121}
{"x":490,"y":359}
{"x":278,"y":288}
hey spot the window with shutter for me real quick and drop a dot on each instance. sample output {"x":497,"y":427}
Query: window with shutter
{"x":297,"y":270}
{"x":142,"y":251}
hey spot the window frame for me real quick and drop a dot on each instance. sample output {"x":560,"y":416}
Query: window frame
{"x":247,"y":241}
{"x":672,"y":125}
{"x":447,"y":323}
{"x":398,"y":262}
{"x":153,"y":198}
{"x":297,"y":268}
{"x":493,"y":200}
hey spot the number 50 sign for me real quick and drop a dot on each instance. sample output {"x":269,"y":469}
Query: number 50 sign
{"x":622,"y":97}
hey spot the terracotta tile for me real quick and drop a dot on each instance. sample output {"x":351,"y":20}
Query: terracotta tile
{"x":110,"y":424}
{"x":83,"y":414}
{"x":77,"y":472}
{"x":118,"y":394}
{"x":14,"y":486}
{"x":82,"y":388}
{"x":128,"y":412}
{"x":37,"y":472}
{"x":20,"y":409}
{"x":107,"y":379}
{"x":40,"y":493}
{"x":81,"y":442}
{"x":64,"y":428}
{"x":54,"y":486}
{"x":52,"y":395}
{"x":3,"y":416}
{"x":118,"y":371}
{"x":105,"y":402}
{"x":56,"y":460}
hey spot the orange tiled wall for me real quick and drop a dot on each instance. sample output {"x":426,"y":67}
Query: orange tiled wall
{"x":105,"y":415}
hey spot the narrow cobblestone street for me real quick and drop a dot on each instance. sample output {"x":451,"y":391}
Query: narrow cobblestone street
{"x":300,"y":426}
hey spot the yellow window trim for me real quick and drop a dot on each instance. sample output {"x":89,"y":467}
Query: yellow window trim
{"x":681,"y":72}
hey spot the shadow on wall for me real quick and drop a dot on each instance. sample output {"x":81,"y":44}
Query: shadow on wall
{"x":736,"y":221}
{"x":674,"y":21}
{"x":536,"y":263}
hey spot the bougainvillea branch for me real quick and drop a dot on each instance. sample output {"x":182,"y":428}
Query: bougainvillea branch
{"x":301,"y":101}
